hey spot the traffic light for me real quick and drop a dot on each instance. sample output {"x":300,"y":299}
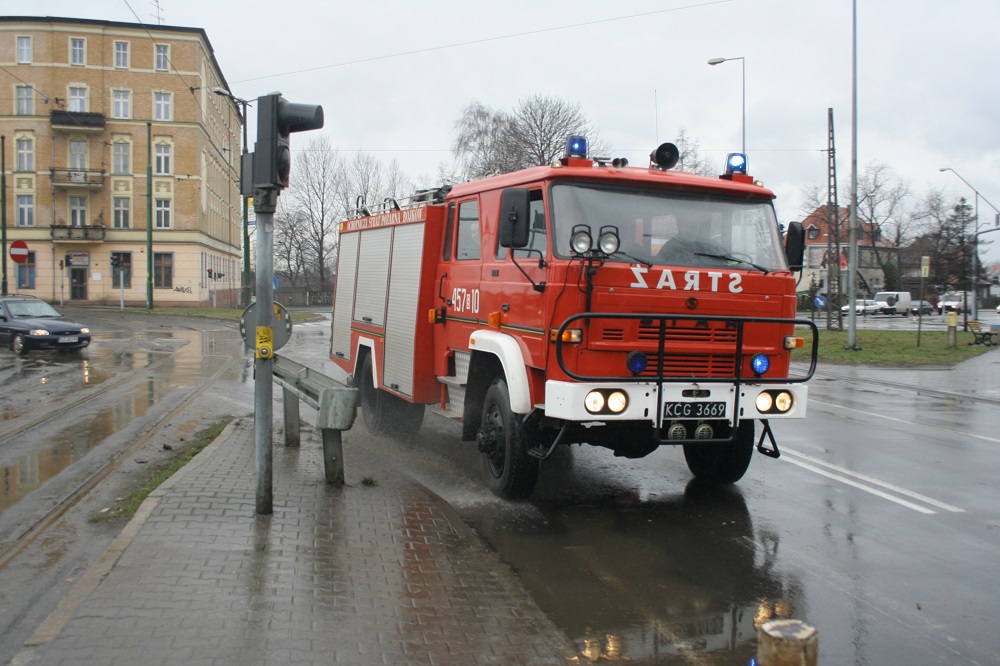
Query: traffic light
{"x":277,"y":118}
{"x":209,"y":273}
{"x":116,"y":261}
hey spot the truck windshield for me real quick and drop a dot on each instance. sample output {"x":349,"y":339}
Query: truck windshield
{"x":667,"y":228}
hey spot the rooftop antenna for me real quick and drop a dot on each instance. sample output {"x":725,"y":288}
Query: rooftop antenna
{"x":159,"y":11}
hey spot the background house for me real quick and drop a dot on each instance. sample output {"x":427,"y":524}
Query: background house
{"x":91,"y":107}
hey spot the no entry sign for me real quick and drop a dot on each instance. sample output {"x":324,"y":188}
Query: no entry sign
{"x":19,"y":251}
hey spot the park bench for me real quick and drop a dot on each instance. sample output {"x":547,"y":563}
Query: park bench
{"x":980,"y":334}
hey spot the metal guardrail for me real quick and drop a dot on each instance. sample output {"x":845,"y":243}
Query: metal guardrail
{"x":336,"y":404}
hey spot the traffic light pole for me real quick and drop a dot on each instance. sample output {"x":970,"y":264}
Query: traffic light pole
{"x":264,"y":202}
{"x":270,"y":166}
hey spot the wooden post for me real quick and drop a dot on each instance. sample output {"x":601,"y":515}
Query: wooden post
{"x":787,"y":643}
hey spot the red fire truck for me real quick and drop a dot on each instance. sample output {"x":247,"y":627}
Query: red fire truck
{"x":584,"y":302}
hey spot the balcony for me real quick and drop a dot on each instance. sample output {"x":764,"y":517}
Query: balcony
{"x":87,"y":179}
{"x":77,"y":121}
{"x":87,"y":232}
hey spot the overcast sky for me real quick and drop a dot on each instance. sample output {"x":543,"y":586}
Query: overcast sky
{"x":393,"y":76}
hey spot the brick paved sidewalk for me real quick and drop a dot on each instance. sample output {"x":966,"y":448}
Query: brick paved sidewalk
{"x":365,"y":574}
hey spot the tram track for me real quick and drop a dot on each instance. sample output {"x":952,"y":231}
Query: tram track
{"x":918,"y":389}
{"x":10,"y":551}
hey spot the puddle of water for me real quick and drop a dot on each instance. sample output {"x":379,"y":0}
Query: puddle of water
{"x":183,"y":365}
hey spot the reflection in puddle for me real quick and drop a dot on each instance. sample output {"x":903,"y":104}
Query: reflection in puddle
{"x":651,"y":582}
{"x":179,"y":360}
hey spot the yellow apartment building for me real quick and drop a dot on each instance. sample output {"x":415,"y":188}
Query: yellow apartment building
{"x":120,"y":164}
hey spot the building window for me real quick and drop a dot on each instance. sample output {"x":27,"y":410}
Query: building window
{"x":77,"y":54}
{"x":163,"y":270}
{"x":812,"y":233}
{"x":121,"y":55}
{"x":122,"y":104}
{"x":25,"y":155}
{"x":78,"y":99}
{"x":78,"y":211}
{"x":162,"y":57}
{"x":26,"y":272}
{"x":162,"y":159}
{"x":122,"y":212}
{"x":78,"y":160}
{"x":122,"y":272}
{"x":25,"y":210}
{"x":163,"y":213}
{"x":25,"y":101}
{"x":24,"y":50}
{"x":120,"y":158}
{"x":161,"y":106}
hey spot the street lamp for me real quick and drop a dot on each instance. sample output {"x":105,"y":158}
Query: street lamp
{"x":975,"y":242}
{"x":246,"y":221}
{"x":719,"y":61}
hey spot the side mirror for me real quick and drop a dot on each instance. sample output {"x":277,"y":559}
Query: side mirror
{"x":795,"y":245}
{"x":514,"y":219}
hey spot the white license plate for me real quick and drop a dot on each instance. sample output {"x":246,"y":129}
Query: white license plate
{"x":68,"y":338}
{"x":694,"y":410}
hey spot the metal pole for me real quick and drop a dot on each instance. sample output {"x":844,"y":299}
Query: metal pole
{"x":972,"y":309}
{"x":149,"y":215}
{"x":3,"y":213}
{"x":264,"y":203}
{"x":852,"y":262}
{"x":246,"y":222}
{"x":743,"y":62}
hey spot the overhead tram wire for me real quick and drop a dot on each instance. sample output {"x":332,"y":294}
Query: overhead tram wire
{"x":485,"y":40}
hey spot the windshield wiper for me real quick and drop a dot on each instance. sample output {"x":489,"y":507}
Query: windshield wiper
{"x":725,"y":257}
{"x":644,"y":262}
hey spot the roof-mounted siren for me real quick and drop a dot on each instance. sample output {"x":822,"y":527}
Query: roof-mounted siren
{"x":736,"y":168}
{"x":665,"y":157}
{"x":576,"y":147}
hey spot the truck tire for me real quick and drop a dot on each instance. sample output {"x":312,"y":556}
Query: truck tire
{"x":722,"y":463}
{"x":384,"y":413}
{"x":510,"y":472}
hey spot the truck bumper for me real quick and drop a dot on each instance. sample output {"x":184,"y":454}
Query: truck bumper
{"x":673,"y":401}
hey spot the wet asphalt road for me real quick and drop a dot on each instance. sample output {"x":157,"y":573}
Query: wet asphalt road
{"x":879,"y":525}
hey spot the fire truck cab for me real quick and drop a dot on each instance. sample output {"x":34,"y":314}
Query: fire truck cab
{"x":584,"y":302}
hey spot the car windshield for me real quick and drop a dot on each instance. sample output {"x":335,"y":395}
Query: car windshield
{"x":31,"y":309}
{"x":666,"y":228}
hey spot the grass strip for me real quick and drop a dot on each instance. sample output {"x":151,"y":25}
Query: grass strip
{"x":162,"y":471}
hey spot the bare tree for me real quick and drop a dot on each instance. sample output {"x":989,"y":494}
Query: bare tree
{"x":881,"y":201}
{"x":691,"y":159}
{"x":484,"y":144}
{"x":314,"y":204}
{"x":534,"y":133}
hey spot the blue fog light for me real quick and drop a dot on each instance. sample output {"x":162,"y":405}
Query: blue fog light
{"x":760,"y":363}
{"x":636,"y":362}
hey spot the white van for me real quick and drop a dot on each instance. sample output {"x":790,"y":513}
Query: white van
{"x":894,"y":302}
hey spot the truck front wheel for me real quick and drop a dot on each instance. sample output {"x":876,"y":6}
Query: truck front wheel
{"x":384,"y":413}
{"x":510,"y":472}
{"x":722,"y":463}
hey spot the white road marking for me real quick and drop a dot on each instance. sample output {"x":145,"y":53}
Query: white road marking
{"x":857,"y":480}
{"x":884,"y":417}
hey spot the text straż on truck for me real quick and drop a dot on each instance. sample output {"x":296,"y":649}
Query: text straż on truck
{"x":585,"y":302}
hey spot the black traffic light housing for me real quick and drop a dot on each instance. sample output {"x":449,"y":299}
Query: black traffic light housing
{"x":277,"y":118}
{"x":116,"y":260}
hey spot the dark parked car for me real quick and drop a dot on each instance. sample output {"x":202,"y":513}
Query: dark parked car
{"x":31,"y":323}
{"x":922,"y":308}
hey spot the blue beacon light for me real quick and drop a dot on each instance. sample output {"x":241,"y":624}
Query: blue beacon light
{"x":576,"y":146}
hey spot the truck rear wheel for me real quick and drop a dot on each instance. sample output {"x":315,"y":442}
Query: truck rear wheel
{"x":384,"y":413}
{"x":722,"y":463}
{"x":510,"y":472}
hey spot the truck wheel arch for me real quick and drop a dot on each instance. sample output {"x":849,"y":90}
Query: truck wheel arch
{"x":508,"y":351}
